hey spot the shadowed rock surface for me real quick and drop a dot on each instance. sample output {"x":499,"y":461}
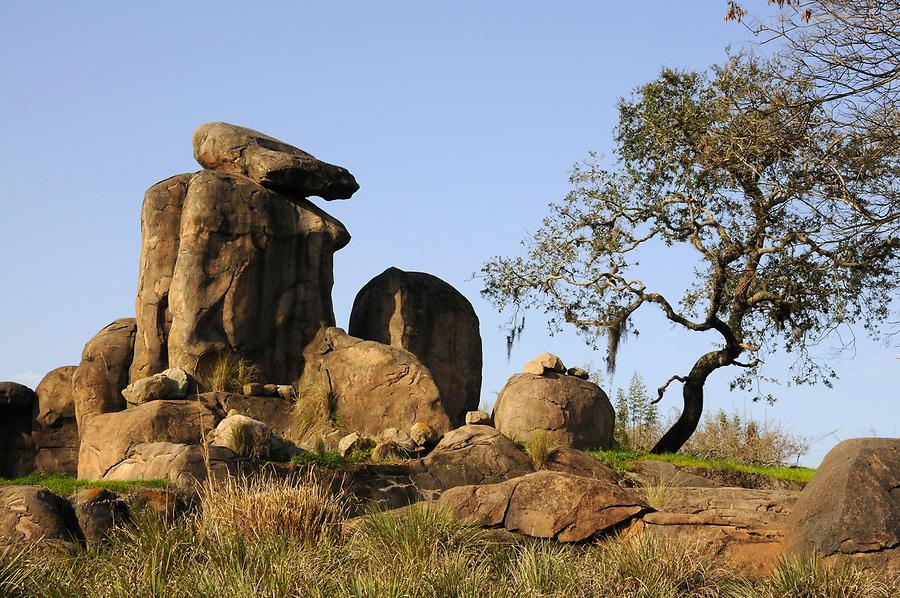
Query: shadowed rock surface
{"x":103,"y":372}
{"x":850,"y":511}
{"x":269,"y":162}
{"x":33,"y":514}
{"x":426,"y":316}
{"x":547,"y":504}
{"x":17,"y":403}
{"x":573,"y":412}
{"x":54,"y":429}
{"x":375,"y":386}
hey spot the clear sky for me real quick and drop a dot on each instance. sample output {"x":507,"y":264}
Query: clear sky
{"x":460,"y":121}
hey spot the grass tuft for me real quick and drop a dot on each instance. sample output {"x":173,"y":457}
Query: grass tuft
{"x":226,"y":373}
{"x":540,"y":448}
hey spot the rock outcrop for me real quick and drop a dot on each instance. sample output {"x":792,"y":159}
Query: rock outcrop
{"x":245,"y":436}
{"x":17,"y":402}
{"x":573,"y":412}
{"x":54,"y":429}
{"x":103,"y":372}
{"x":375,"y":386}
{"x":850,"y":511}
{"x":173,"y":383}
{"x":108,"y":439}
{"x":243,"y":270}
{"x":30,"y":514}
{"x":269,"y":162}
{"x":98,"y":511}
{"x":547,"y":504}
{"x":429,"y":318}
{"x":187,"y":466}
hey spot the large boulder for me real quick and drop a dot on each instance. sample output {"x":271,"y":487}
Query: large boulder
{"x":547,"y":504}
{"x":269,"y":162}
{"x":108,"y":439}
{"x":243,"y":271}
{"x":187,"y":466}
{"x":426,"y":316}
{"x":375,"y":386}
{"x":850,"y":511}
{"x":103,"y":372}
{"x":173,"y":383}
{"x":31,"y":514}
{"x":98,"y":511}
{"x":245,"y":436}
{"x":573,"y":412}
{"x":54,"y":429}
{"x":16,"y":448}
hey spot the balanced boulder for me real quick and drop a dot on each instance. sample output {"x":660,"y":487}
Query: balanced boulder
{"x":16,"y":448}
{"x":54,"y":429}
{"x":173,"y":383}
{"x":547,"y":504}
{"x":572,"y":412}
{"x":426,"y":316}
{"x":850,"y":511}
{"x":103,"y":372}
{"x":545,"y":363}
{"x":374,"y":386}
{"x":269,"y":162}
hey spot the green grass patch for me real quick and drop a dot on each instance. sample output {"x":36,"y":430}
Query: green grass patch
{"x":332,"y":459}
{"x":624,"y":461}
{"x":64,"y":485}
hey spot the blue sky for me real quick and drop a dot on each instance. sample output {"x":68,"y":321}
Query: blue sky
{"x":460,"y":121}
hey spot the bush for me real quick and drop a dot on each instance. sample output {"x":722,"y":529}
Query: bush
{"x":726,"y":437}
{"x":226,"y":373}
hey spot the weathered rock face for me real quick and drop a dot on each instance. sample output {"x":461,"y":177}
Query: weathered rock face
{"x":850,"y":511}
{"x":109,"y":439}
{"x":33,"y":514}
{"x":103,"y":372}
{"x":572,"y":411}
{"x":97,"y":511}
{"x":269,"y":162}
{"x":160,"y":234}
{"x":54,"y":430}
{"x":275,"y":412}
{"x":185,"y":465}
{"x":547,"y":504}
{"x":228,"y":266}
{"x":426,"y":316}
{"x":740,"y":526}
{"x":16,"y":449}
{"x":245,"y":436}
{"x":375,"y":386}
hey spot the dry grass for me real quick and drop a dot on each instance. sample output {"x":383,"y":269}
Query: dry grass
{"x":226,"y":373}
{"x":658,"y":495}
{"x":724,"y":437}
{"x":300,"y":509}
{"x":314,"y":411}
{"x":540,"y":448}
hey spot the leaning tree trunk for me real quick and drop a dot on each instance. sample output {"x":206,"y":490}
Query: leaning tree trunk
{"x":679,"y":433}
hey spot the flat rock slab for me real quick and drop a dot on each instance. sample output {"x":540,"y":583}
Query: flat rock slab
{"x":547,"y":504}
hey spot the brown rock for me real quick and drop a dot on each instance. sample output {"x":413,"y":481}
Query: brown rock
{"x":185,"y":465}
{"x":97,"y":511}
{"x":173,"y":383}
{"x":573,"y":412}
{"x":54,"y":431}
{"x":252,"y":277}
{"x":545,"y":363}
{"x":160,"y":236}
{"x":660,"y":473}
{"x":742,"y":527}
{"x":426,"y":316}
{"x":547,"y":504}
{"x":375,"y":386}
{"x":17,"y":402}
{"x":108,"y":438}
{"x":478,"y":418}
{"x":168,"y":504}
{"x":31,"y":514}
{"x":273,"y":411}
{"x":245,"y":436}
{"x":578,"y":373}
{"x":850,"y":511}
{"x":269,"y":162}
{"x":55,"y":397}
{"x":103,"y":372}
{"x":575,"y":462}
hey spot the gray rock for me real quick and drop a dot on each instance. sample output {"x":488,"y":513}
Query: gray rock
{"x":544,"y":363}
{"x":173,"y":383}
{"x":31,"y":514}
{"x":477,"y":418}
{"x":245,"y":436}
{"x":353,"y":442}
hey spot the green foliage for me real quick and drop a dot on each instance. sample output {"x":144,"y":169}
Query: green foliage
{"x":637,"y":424}
{"x":624,"y":461}
{"x":330,"y":459}
{"x":64,"y":485}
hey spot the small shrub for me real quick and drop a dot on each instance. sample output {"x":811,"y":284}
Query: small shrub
{"x":242,"y":440}
{"x":331,"y":459}
{"x":658,"y":495}
{"x":300,"y":509}
{"x":314,"y":410}
{"x":540,"y":448}
{"x":226,"y":373}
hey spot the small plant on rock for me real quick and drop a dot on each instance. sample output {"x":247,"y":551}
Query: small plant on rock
{"x":314,"y":410}
{"x":226,"y":373}
{"x":540,"y":448}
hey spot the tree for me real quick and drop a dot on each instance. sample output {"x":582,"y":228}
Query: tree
{"x":772,"y":198}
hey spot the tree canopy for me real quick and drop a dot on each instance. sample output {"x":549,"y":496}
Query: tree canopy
{"x":775,"y":199}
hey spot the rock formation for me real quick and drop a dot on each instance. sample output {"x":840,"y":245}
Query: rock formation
{"x":572,"y":411}
{"x":236,"y":260}
{"x":103,"y":372}
{"x":850,"y":511}
{"x":54,"y":429}
{"x":426,"y":316}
